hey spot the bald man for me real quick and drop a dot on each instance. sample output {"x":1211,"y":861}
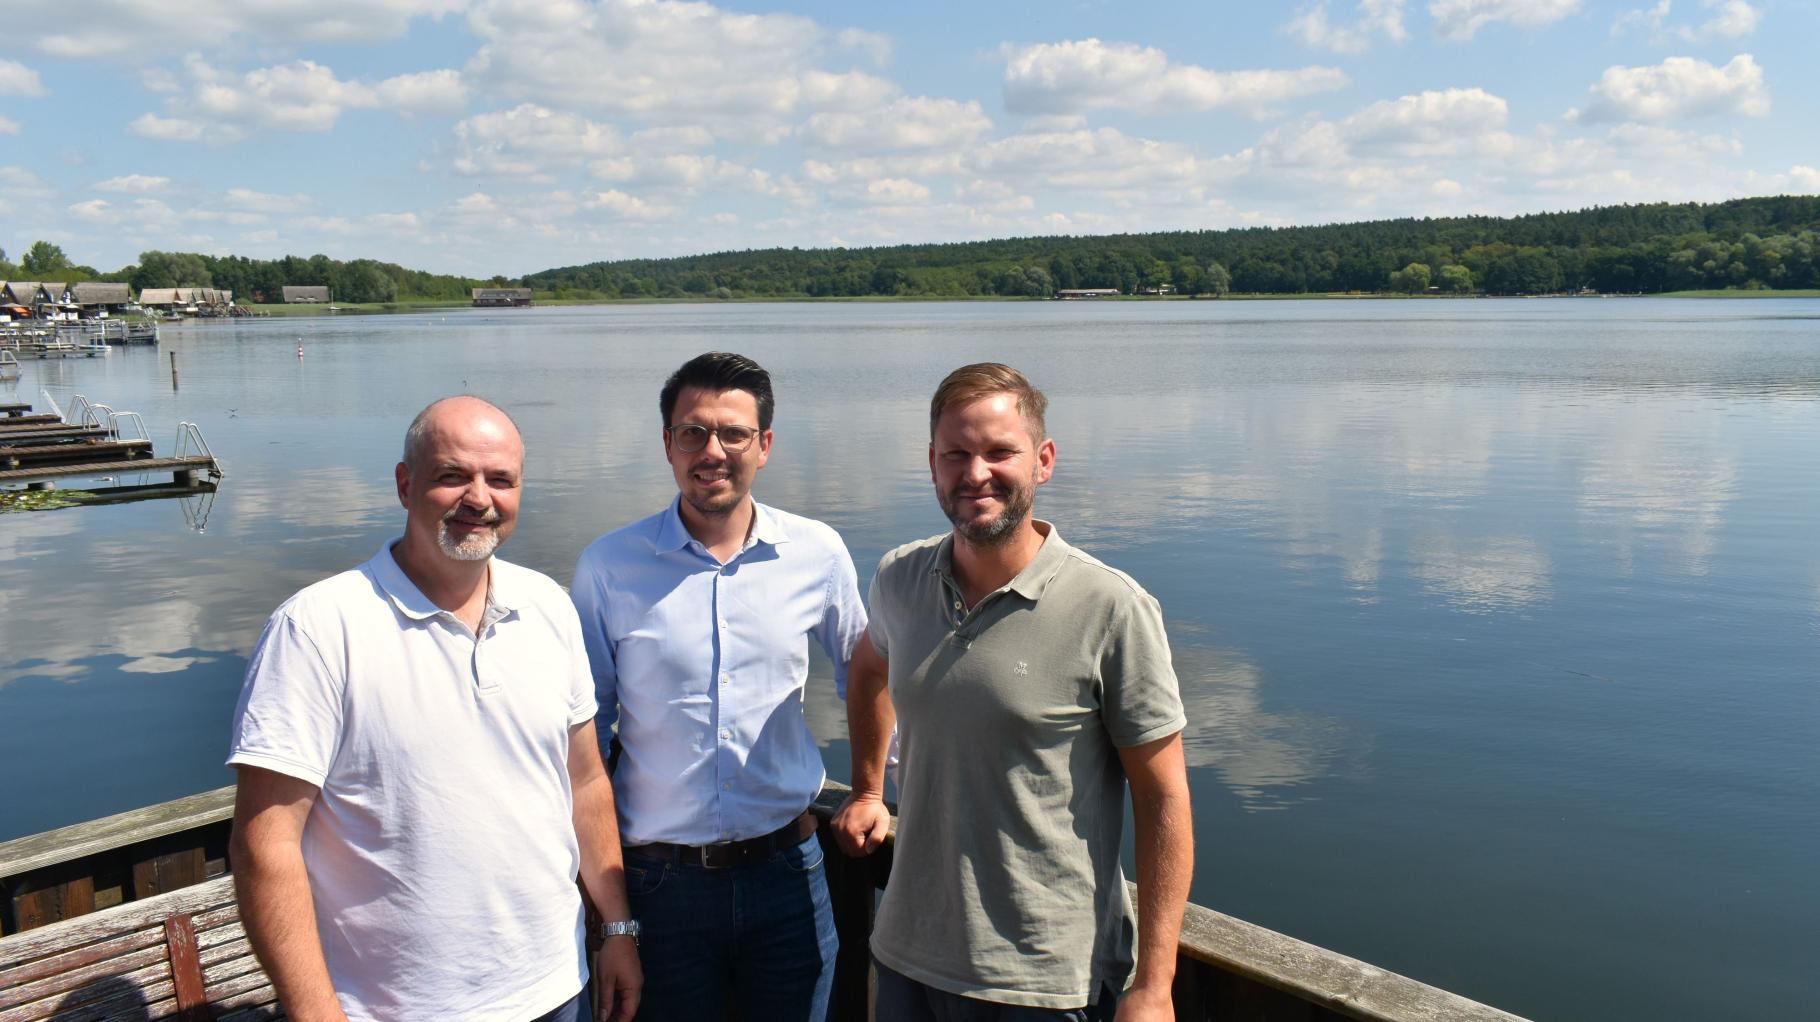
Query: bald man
{"x":420,"y":781}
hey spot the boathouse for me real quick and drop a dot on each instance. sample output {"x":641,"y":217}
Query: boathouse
{"x":501,"y":297}
{"x":95,"y":299}
{"x":26,"y":294}
{"x":306,"y":294}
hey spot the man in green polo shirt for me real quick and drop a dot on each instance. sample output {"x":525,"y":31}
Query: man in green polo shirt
{"x":1028,"y":683}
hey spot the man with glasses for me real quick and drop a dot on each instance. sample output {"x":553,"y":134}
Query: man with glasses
{"x":697,"y":622}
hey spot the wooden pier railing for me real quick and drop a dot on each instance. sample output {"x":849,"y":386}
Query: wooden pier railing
{"x":1226,"y":968}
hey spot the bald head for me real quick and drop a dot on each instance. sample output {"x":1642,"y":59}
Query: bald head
{"x":457,"y":415}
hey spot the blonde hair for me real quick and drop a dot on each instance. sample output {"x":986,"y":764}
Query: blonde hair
{"x":984,"y":379}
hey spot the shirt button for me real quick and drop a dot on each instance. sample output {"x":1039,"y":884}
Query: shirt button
{"x":725,"y":734}
{"x":726,"y":679}
{"x":726,"y":787}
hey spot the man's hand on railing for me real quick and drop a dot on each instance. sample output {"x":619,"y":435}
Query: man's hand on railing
{"x":861,"y":825}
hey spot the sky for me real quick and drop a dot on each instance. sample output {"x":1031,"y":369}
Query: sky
{"x":487,"y":137}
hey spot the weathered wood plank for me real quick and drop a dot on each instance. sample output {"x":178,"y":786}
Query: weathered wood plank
{"x":110,"y":997}
{"x":21,"y":855}
{"x":15,"y":475}
{"x":186,"y":971}
{"x":134,"y":915}
{"x":47,"y":905}
{"x":37,"y":983}
{"x":1347,"y":986}
{"x":171,"y":871}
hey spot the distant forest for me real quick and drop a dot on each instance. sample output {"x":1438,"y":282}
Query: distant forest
{"x":1744,"y":243}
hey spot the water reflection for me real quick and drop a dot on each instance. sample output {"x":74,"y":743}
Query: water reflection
{"x":1265,"y":758}
{"x":1369,"y":525}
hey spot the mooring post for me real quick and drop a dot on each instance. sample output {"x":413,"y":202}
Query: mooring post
{"x":173,"y":370}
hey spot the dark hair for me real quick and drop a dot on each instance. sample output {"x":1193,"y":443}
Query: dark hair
{"x":719,"y":371}
{"x":984,"y":379}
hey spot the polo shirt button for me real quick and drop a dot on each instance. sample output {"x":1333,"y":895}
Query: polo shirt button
{"x":957,"y":604}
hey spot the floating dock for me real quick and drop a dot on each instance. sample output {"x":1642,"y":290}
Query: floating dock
{"x":38,"y":450}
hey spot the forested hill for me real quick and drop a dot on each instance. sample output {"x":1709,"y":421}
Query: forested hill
{"x":1744,"y":243}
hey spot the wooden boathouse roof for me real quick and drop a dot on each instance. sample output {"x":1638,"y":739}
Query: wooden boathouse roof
{"x":97,"y":292}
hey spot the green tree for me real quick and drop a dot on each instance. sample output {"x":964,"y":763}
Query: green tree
{"x":1455,"y":279}
{"x":1411,"y":279}
{"x":44,"y":261}
{"x":1219,"y":279}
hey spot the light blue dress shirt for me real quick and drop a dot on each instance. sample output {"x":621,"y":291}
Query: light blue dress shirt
{"x":702,"y":666}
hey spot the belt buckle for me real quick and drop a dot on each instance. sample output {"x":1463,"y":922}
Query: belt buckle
{"x":719,"y":855}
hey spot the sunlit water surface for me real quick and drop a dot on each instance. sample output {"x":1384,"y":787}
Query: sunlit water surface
{"x":1498,"y":621}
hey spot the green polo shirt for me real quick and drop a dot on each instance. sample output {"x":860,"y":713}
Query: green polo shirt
{"x":1006,"y":884}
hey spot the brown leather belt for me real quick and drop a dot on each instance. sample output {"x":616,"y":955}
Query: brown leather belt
{"x":728,"y":854}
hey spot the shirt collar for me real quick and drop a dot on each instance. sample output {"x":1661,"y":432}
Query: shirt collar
{"x":502,"y":595}
{"x":673,"y":535}
{"x":1036,"y":575}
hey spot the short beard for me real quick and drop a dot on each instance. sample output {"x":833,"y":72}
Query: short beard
{"x":996,"y":532}
{"x":477,"y":547}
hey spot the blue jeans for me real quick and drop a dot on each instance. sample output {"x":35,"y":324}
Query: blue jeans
{"x":760,"y":936}
{"x":902,"y":999}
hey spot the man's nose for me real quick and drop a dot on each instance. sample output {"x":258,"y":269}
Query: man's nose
{"x":477,"y":494}
{"x":976,"y":470}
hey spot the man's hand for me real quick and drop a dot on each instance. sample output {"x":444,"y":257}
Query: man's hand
{"x":861,"y":825}
{"x":1146,"y":1004}
{"x":618,"y":980}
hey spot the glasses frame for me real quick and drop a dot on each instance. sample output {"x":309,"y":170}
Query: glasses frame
{"x":750,"y":433}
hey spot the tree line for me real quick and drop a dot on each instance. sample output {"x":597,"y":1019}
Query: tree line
{"x":253,"y":280}
{"x":1745,"y":243}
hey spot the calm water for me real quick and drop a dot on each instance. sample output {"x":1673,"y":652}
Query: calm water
{"x":1498,"y":621}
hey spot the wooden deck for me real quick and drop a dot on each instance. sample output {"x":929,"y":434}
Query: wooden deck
{"x":13,"y":409}
{"x":152,"y":859}
{"x":191,"y":464}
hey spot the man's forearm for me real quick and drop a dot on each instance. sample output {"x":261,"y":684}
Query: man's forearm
{"x":597,"y":832}
{"x":279,"y":916}
{"x":1165,"y":866}
{"x":870,"y":718}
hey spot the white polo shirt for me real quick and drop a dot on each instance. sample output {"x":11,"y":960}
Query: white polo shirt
{"x":441,"y":850}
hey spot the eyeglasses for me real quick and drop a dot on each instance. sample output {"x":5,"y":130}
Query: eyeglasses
{"x":689,"y":437}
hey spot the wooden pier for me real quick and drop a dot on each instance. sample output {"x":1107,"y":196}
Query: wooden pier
{"x":141,"y":907}
{"x":37,"y":450}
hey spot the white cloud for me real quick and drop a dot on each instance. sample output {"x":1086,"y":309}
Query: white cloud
{"x":531,"y":142}
{"x":1376,"y":18}
{"x":1087,"y":74}
{"x":1677,"y":89}
{"x":8,"y":126}
{"x":1806,"y":178}
{"x":425,"y":92}
{"x":1097,"y":160}
{"x":247,"y":200}
{"x":133,"y":184}
{"x":747,"y":76}
{"x":105,"y":28}
{"x":93,"y":209}
{"x":168,"y":129}
{"x":1447,"y":120}
{"x":301,"y":96}
{"x":907,"y":124}
{"x":673,"y":138}
{"x":1731,"y":19}
{"x":1461,"y":19}
{"x":18,"y":80}
{"x":625,"y":207}
{"x":875,"y":45}
{"x":896,"y":191}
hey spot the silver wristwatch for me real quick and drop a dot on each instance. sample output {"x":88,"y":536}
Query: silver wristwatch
{"x":622,"y":928}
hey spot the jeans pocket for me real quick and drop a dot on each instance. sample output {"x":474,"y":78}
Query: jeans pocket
{"x":645,"y":877}
{"x":805,"y":857}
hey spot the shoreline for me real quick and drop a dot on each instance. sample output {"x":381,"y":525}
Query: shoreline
{"x":431,"y":305}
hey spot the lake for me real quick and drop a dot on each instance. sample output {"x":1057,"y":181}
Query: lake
{"x":1498,"y":621}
